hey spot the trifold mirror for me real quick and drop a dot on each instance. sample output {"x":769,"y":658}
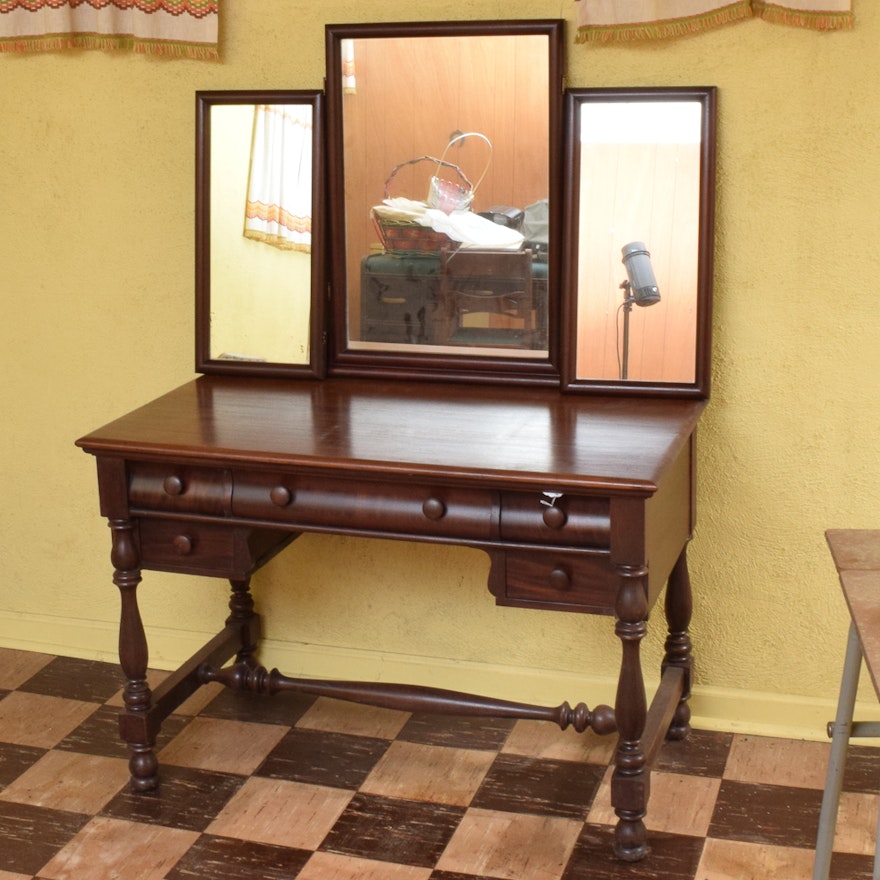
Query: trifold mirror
{"x":444,"y":196}
{"x":453,"y":249}
{"x":260,"y":278}
{"x":638,"y":231}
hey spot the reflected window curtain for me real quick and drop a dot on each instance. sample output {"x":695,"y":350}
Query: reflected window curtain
{"x":279,"y":195}
{"x":174,"y":28}
{"x":349,"y":80}
{"x":620,"y":20}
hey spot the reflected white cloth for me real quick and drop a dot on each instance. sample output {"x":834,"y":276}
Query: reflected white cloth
{"x":465,"y":227}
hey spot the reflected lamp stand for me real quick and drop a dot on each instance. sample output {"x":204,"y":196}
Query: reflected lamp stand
{"x":640,"y":289}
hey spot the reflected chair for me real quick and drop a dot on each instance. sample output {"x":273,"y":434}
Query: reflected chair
{"x":487,"y":298}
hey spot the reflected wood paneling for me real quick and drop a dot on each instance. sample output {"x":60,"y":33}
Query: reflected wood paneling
{"x":411,"y":95}
{"x":644,"y":193}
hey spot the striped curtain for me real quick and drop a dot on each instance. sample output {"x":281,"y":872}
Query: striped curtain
{"x":176,"y":28}
{"x":619,"y":20}
{"x":279,"y":197}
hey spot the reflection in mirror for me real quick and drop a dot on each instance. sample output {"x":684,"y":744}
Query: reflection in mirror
{"x":639,"y":233}
{"x":442,"y":197}
{"x":258,"y":262}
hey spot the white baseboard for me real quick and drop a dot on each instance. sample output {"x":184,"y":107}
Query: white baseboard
{"x":713,"y":708}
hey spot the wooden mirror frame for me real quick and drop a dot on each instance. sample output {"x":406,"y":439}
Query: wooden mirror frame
{"x":348,"y":360}
{"x":315,"y":364}
{"x":575,"y":100}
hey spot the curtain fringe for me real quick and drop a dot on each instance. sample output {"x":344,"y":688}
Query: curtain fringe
{"x":672,"y":27}
{"x":57,"y":42}
{"x":818,"y":21}
{"x":682,"y":27}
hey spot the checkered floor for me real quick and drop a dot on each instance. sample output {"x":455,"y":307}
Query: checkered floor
{"x":293,"y":787}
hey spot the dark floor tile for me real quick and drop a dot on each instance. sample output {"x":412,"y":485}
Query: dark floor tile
{"x":185,"y":798}
{"x":14,"y":760}
{"x":284,"y":708}
{"x":446,"y":875}
{"x":701,"y":753}
{"x":99,"y":734}
{"x":848,"y":866}
{"x":322,"y":758}
{"x":530,"y":785}
{"x":771,"y":814}
{"x":862,"y":772}
{"x":671,"y":857}
{"x":30,"y":836}
{"x":225,"y":858}
{"x":487,"y":734}
{"x":390,"y":830}
{"x":86,"y":680}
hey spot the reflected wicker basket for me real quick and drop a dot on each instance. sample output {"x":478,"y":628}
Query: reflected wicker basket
{"x":406,"y":238}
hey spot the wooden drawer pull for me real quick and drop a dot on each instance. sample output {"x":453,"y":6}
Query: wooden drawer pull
{"x":434,"y":508}
{"x":173,"y":485}
{"x":183,"y":545}
{"x":560,"y":579}
{"x":280,"y":496}
{"x":554,"y":517}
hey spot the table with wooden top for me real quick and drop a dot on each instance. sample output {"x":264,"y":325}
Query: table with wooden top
{"x":583,"y":504}
{"x":856,"y":555}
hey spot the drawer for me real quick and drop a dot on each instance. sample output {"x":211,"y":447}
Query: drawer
{"x":543,"y":518}
{"x":362,"y":506}
{"x":169,"y":487}
{"x":201,"y":548}
{"x":557,"y":581}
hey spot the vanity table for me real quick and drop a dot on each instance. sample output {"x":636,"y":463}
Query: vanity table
{"x":578,"y":486}
{"x":584,"y":504}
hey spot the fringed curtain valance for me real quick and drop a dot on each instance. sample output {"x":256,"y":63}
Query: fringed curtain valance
{"x":182,"y":28}
{"x":610,"y":20}
{"x":279,"y":196}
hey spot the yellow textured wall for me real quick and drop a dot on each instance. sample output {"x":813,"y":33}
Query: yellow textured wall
{"x":96,"y":278}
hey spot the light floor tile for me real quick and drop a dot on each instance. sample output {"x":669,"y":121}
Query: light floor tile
{"x":108,"y":848}
{"x":510,"y":846}
{"x":679,"y":804}
{"x":856,"y":827}
{"x":353,"y":719}
{"x":542,"y":740}
{"x":225,"y":746}
{"x":429,"y":773}
{"x":330,"y":866}
{"x":16,"y":667}
{"x":280,"y":812}
{"x":767,"y":760}
{"x":5,"y":875}
{"x":69,"y":781}
{"x":732,"y":860}
{"x":38,"y":720}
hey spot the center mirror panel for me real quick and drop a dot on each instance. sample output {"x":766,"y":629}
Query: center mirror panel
{"x":443,"y":197}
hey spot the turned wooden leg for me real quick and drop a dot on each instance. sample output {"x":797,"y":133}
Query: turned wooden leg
{"x":630,"y":784}
{"x":134,"y":723}
{"x":241,"y":612}
{"x":679,"y":606}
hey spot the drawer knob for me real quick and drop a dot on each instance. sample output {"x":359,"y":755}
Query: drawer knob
{"x":173,"y":485}
{"x":434,"y":508}
{"x":560,"y":579}
{"x":183,"y":545}
{"x":554,"y":517}
{"x":280,"y":496}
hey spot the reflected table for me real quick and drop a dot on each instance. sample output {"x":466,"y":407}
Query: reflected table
{"x":583,"y":504}
{"x":400,"y":298}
